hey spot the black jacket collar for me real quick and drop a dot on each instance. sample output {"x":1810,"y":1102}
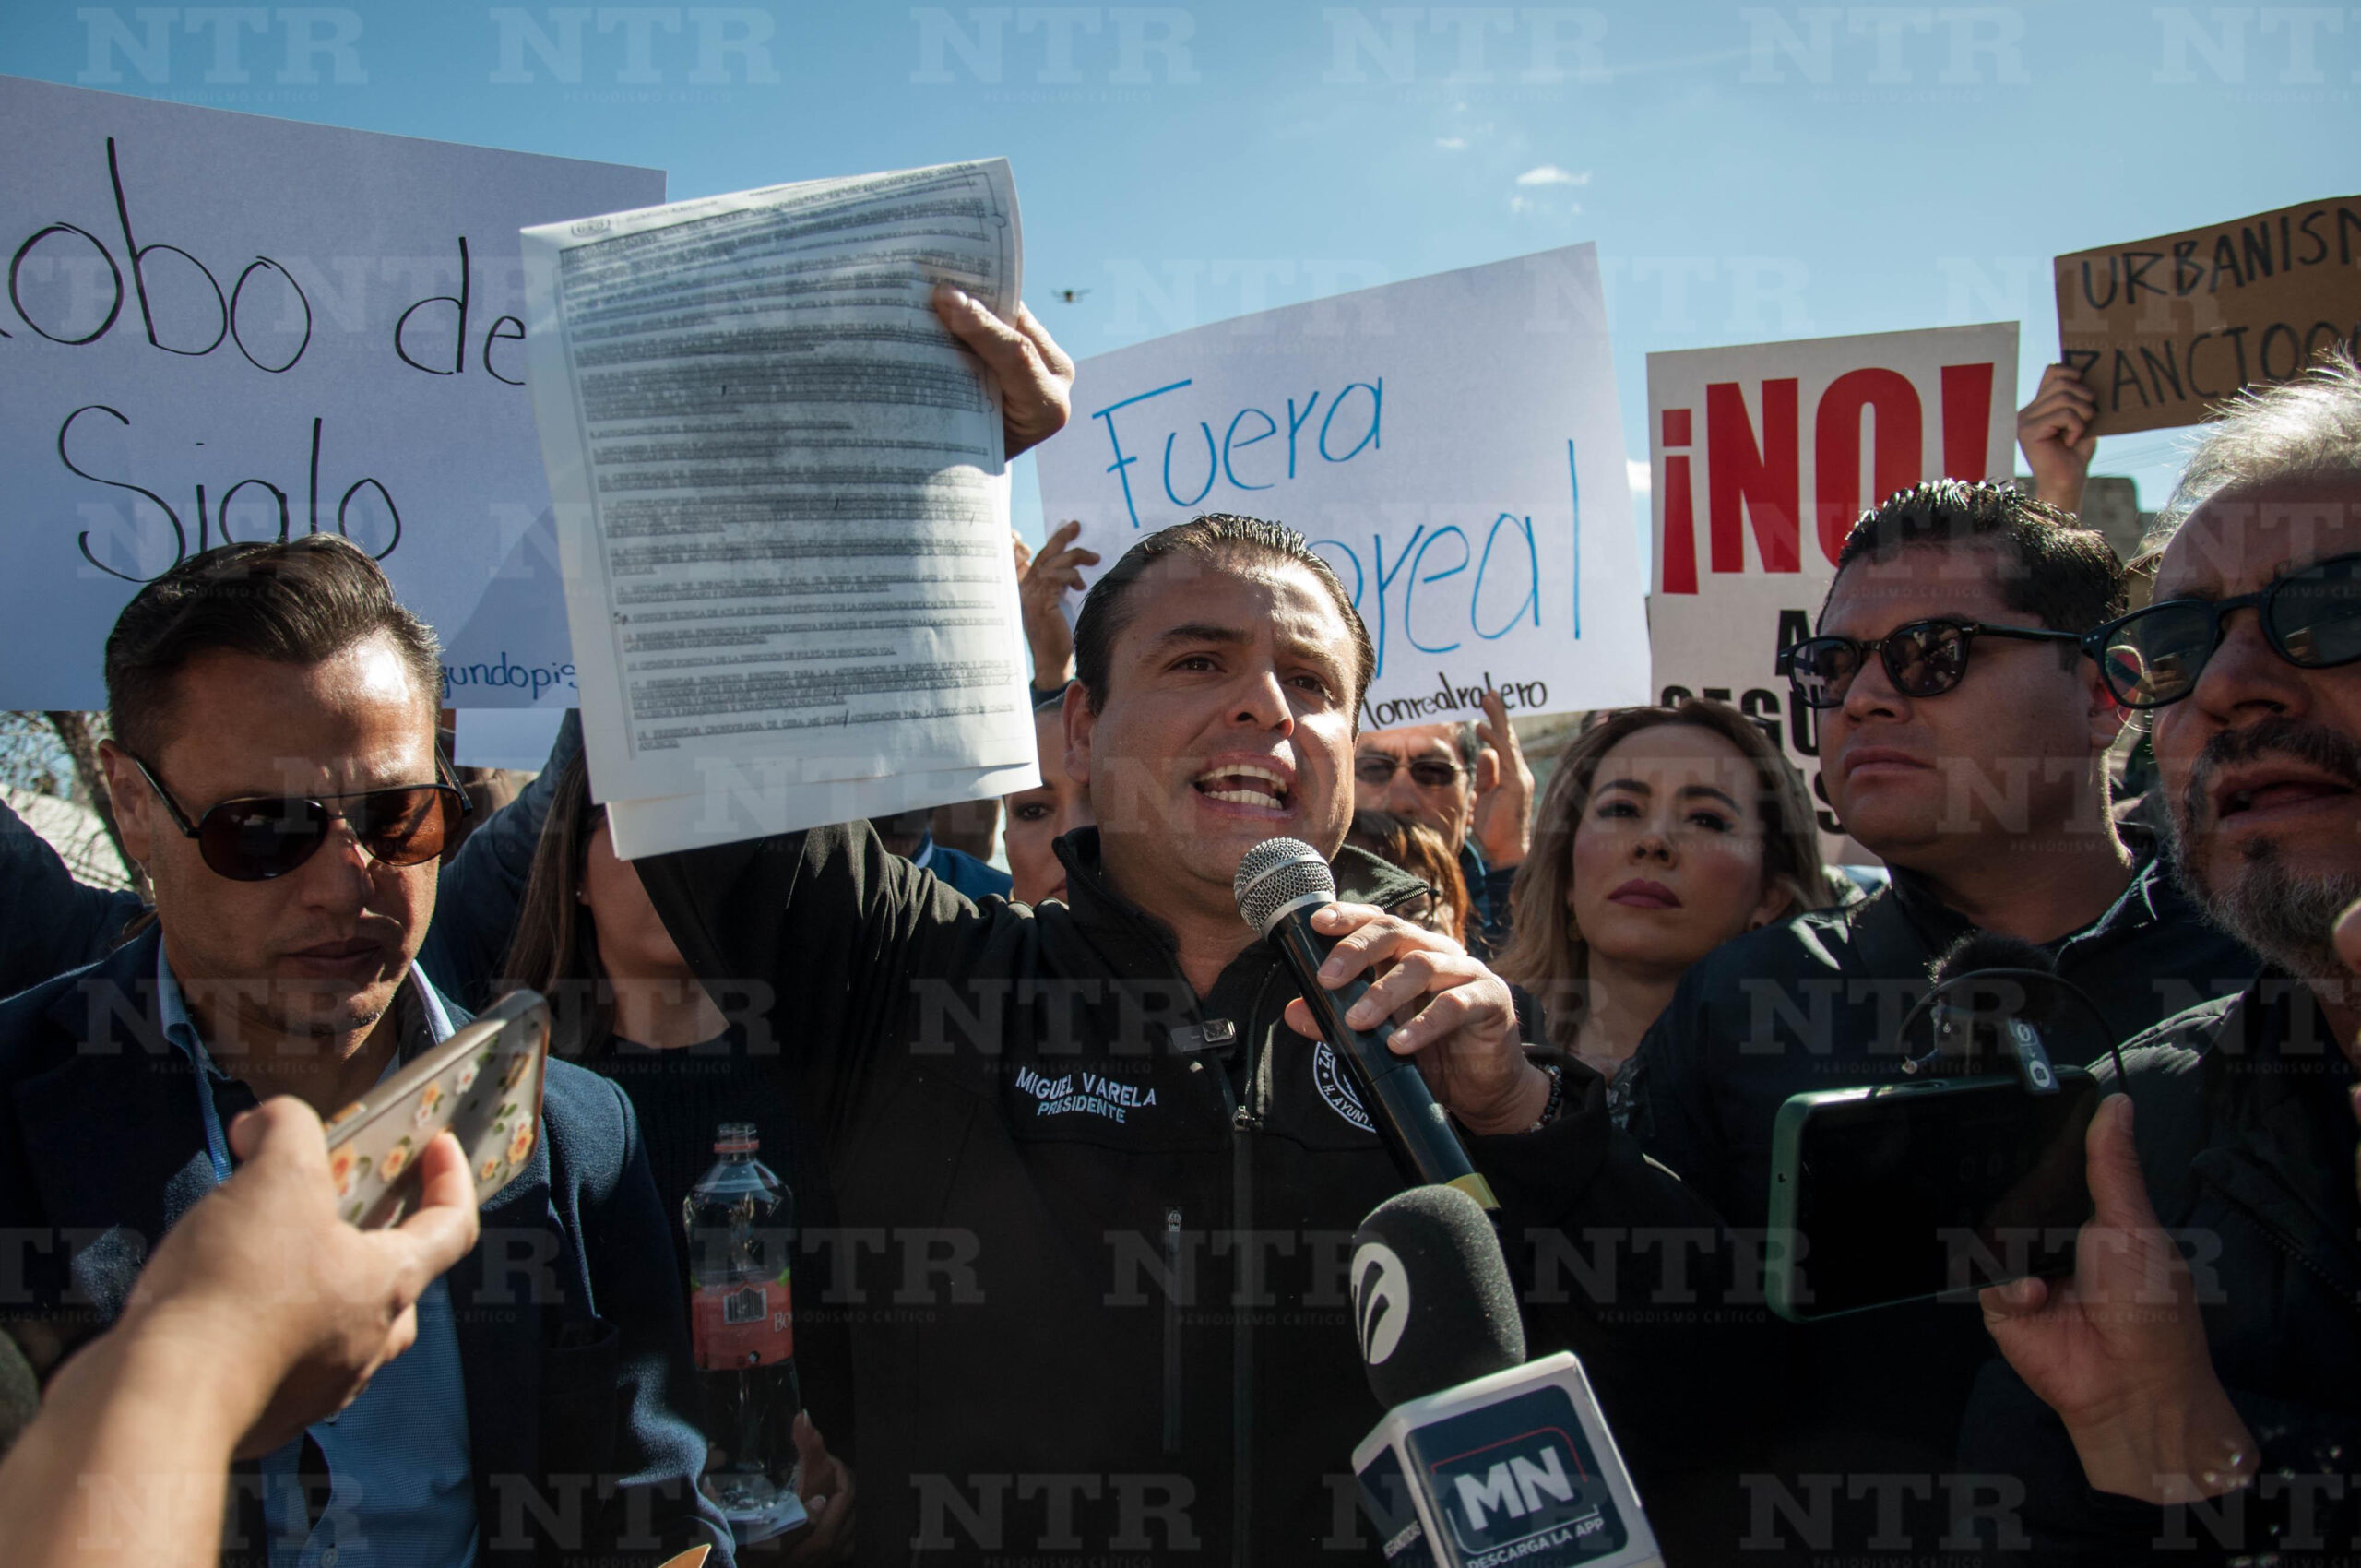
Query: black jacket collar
{"x":2150,"y":897}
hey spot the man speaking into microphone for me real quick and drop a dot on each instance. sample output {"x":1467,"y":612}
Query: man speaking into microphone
{"x":1097,"y":1179}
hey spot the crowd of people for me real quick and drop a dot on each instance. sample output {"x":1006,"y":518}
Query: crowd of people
{"x":1077,"y":1175}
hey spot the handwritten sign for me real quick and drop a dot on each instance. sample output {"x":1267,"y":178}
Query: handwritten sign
{"x":2163,"y":329}
{"x":219,"y":326}
{"x":1450,"y":444}
{"x":1763,"y":456}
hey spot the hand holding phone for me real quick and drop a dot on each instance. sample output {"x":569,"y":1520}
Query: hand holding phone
{"x":483,"y":1086}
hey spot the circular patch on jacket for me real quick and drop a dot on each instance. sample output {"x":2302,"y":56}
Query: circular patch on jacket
{"x":1336,"y":1088}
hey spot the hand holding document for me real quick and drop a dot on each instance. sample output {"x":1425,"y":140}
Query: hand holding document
{"x":782,"y":505}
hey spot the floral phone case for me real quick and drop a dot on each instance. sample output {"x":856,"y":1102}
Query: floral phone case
{"x":484,"y":1085}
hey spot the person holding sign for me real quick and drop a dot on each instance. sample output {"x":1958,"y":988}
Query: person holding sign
{"x":1963,"y":738}
{"x":1112,"y":1174}
{"x":2053,"y":430}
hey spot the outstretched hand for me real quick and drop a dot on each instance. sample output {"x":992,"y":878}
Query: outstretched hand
{"x":261,"y":1279}
{"x":2118,"y":1351}
{"x":1035,"y":376}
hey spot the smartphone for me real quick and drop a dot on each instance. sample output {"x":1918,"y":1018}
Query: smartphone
{"x":1903,"y":1192}
{"x":484,"y":1085}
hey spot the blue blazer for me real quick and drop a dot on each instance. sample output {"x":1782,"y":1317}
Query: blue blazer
{"x":572,"y":1335}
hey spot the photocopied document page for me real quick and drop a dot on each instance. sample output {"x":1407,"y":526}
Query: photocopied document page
{"x":779,"y":489}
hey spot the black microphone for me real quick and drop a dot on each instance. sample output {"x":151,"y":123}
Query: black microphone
{"x":1482,"y":1457}
{"x":1990,"y":950}
{"x":1993,"y":998}
{"x":1280,"y":883}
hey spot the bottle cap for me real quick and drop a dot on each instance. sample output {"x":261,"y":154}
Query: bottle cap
{"x":735,"y":1137}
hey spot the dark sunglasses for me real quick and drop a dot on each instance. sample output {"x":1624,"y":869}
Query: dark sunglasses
{"x":2311,"y":618}
{"x":1377,"y":770}
{"x":1923,"y":659}
{"x":256,"y":839}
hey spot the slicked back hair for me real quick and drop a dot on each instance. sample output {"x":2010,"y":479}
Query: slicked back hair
{"x":2048,"y":566}
{"x":2308,"y":429}
{"x":300,"y":601}
{"x":1210,"y":538}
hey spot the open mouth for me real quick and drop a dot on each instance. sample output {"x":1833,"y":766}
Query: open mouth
{"x":2242,"y":797}
{"x":1245,"y":784}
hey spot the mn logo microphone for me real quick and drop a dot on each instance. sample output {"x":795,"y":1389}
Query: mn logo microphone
{"x":1483,"y":1460}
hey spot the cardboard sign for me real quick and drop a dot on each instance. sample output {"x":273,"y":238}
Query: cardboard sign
{"x":2163,"y":329}
{"x":219,"y":326}
{"x":1450,"y":444}
{"x":1763,"y":456}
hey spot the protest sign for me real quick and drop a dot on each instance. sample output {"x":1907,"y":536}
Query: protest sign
{"x":2162,"y":328}
{"x":1763,"y":458}
{"x":1450,"y":444}
{"x":783,"y":504}
{"x":219,"y":326}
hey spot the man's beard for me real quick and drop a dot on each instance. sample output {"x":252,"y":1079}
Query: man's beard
{"x":2285,"y":918}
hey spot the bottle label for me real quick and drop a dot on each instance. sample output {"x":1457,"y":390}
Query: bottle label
{"x":744,"y":1325}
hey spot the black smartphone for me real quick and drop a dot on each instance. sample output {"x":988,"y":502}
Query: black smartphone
{"x":1899,"y":1193}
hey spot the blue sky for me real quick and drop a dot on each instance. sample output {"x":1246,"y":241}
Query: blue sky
{"x":1747,"y":171}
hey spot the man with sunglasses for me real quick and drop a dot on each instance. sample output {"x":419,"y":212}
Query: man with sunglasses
{"x":2218,"y":1401}
{"x":274,"y":767}
{"x":1468,"y":782}
{"x":50,"y":923}
{"x":1963,"y":737}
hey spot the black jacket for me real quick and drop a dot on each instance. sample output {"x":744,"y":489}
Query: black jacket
{"x":1100,"y":1225}
{"x":573,"y":1342}
{"x":2246,"y":1141}
{"x":1816,"y":1003}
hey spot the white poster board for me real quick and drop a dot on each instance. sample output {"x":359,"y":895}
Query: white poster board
{"x":221,"y":326}
{"x":1451,"y":445}
{"x":1762,"y":457}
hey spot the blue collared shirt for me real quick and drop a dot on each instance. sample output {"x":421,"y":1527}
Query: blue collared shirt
{"x":401,"y":1493}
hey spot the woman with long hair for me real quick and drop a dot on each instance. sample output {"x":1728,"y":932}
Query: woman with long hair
{"x":1665,"y":832}
{"x":624,"y":1003}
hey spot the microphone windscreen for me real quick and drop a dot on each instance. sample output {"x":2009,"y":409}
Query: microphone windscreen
{"x":1431,"y":1297}
{"x":1988,"y":950}
{"x":1277,"y":874}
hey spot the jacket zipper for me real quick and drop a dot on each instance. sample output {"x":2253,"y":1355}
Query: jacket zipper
{"x":1245,"y":1120}
{"x":2286,"y":1244}
{"x":1172,"y":1331}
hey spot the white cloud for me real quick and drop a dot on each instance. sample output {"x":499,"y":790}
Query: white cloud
{"x":1637,"y":474}
{"x":1521,"y":205}
{"x":1551,"y":174}
{"x":1451,"y":144}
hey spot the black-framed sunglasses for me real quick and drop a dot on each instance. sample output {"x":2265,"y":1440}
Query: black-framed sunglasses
{"x":261,"y":837}
{"x":2311,"y":617}
{"x":1923,"y":659}
{"x":1377,"y":770}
